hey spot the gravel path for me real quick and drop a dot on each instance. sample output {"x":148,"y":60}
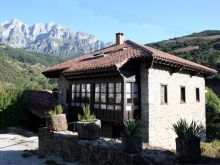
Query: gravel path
{"x":19,"y":150}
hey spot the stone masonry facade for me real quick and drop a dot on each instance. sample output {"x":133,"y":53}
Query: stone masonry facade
{"x":158,"y":118}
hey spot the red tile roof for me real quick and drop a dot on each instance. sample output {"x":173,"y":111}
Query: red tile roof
{"x":116,"y":55}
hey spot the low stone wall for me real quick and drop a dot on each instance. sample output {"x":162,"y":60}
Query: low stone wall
{"x":98,"y":152}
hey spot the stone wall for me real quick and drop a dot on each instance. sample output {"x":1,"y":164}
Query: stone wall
{"x":162,"y":116}
{"x":63,"y":86}
{"x":98,"y":152}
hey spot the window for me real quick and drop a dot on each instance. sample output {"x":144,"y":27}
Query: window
{"x":163,"y":94}
{"x":132,"y":96}
{"x":197,"y":95}
{"x":111,"y":90}
{"x":108,"y":95}
{"x":118,"y":92}
{"x":182,"y":94}
{"x":100,"y":96}
{"x":128,"y":92}
{"x":80,"y":94}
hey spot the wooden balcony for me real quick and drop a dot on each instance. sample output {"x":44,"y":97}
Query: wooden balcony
{"x":115,"y":116}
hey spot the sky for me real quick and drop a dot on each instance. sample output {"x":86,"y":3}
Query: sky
{"x":142,"y":21}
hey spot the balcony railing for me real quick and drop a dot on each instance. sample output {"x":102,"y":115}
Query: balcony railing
{"x":115,"y":116}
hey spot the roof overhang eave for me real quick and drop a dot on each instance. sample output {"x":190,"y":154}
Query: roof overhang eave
{"x":172,"y":63}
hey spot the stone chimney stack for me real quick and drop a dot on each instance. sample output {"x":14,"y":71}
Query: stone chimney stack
{"x":119,"y":38}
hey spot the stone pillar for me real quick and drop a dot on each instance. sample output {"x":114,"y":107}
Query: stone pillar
{"x":62,"y":88}
{"x":144,"y":102}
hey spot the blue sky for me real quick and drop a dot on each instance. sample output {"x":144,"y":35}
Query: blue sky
{"x":142,"y":21}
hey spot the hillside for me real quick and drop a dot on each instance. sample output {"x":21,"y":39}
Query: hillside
{"x":48,"y":38}
{"x":18,"y":67}
{"x":203,"y":48}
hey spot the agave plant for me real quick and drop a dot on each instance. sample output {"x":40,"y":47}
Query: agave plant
{"x":186,"y":131}
{"x":58,"y":110}
{"x":132,"y":127}
{"x":87,"y":115}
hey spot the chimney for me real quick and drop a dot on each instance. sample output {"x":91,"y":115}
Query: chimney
{"x":119,"y":38}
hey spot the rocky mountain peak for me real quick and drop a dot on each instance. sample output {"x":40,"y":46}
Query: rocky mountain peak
{"x":48,"y":38}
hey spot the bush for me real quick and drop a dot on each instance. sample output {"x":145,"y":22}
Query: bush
{"x":87,"y":115}
{"x":13,"y":105}
{"x":212,"y":115}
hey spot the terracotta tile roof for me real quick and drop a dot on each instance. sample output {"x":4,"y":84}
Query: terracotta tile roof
{"x":116,"y":55}
{"x":169,"y":57}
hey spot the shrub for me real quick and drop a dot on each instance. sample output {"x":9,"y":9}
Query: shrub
{"x":87,"y":115}
{"x":13,"y":105}
{"x":186,"y":131}
{"x":132,"y":127}
{"x":212,"y":115}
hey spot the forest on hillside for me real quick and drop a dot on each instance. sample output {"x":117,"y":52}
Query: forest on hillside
{"x":203,"y":48}
{"x":20,"y":73}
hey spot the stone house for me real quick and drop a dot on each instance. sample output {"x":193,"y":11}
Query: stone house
{"x":128,"y":80}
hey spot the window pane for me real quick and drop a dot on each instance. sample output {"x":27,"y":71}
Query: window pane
{"x":88,"y":97}
{"x":103,"y":97}
{"x":77,"y":104}
{"x":96,"y":106}
{"x":73,"y":88}
{"x":83,"y":95}
{"x":97,"y":87}
{"x":96,"y":97}
{"x":73,"y":96}
{"x":111,"y":107}
{"x":83,"y":87}
{"x":78,"y":88}
{"x":163,"y":94}
{"x":117,"y":107}
{"x":103,"y":87}
{"x":197,"y":95}
{"x":103,"y":106}
{"x":88,"y":87}
{"x":118,"y":87}
{"x":183,"y":94}
{"x":128,"y":87}
{"x":77,"y":96}
{"x":118,"y":98}
{"x":111,"y":98}
{"x":111,"y":87}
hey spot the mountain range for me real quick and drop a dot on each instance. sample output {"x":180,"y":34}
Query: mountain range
{"x":49,"y":38}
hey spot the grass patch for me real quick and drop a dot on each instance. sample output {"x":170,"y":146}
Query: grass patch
{"x":211,"y":149}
